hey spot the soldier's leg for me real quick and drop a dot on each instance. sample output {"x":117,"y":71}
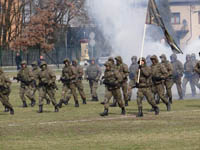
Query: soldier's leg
{"x":6,"y":103}
{"x":64,"y":95}
{"x":106,"y":103}
{"x":179,"y":87}
{"x":125,"y":92}
{"x":192,"y":85}
{"x":42,"y":95}
{"x":80,"y":87}
{"x":94,"y":91}
{"x":91,"y":87}
{"x":29,"y":94}
{"x":140,"y":97}
{"x":117,"y":95}
{"x":22,"y":96}
{"x":51,"y":93}
{"x":149,"y":96}
{"x":131,"y":84}
{"x":185,"y":81}
{"x":161,"y":92}
{"x":168,"y":85}
{"x":73,"y":90}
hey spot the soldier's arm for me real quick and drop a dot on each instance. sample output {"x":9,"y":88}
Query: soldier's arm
{"x":164,"y":71}
{"x":52,"y":75}
{"x":146,"y":71}
{"x":125,"y":70}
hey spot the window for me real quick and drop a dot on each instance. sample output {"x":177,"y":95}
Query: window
{"x":175,"y":19}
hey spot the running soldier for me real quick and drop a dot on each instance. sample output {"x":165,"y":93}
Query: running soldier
{"x":132,"y":72}
{"x":188,"y":74}
{"x":47,"y":85}
{"x":93,"y":74}
{"x":168,"y":82}
{"x":144,"y":87}
{"x":69,"y":79}
{"x":25,"y":77}
{"x":159,"y":74}
{"x":123,"y":70}
{"x":5,"y":90}
{"x":112,"y":79}
{"x":177,"y":74}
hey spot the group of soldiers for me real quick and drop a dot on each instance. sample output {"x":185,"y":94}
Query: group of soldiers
{"x":152,"y":78}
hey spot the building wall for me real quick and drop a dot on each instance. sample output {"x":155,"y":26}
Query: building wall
{"x":190,"y":14}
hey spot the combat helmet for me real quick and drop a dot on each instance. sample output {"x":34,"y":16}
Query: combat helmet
{"x":111,"y":59}
{"x":154,"y":57}
{"x":34,"y":63}
{"x":66,"y":60}
{"x":23,"y":62}
{"x":107,"y":64}
{"x":75,"y":62}
{"x":163,"y":56}
{"x":118,"y":59}
{"x":43,"y":63}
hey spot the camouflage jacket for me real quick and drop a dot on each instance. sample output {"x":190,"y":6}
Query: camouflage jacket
{"x":169,"y":67}
{"x":25,"y":76}
{"x":159,"y":73}
{"x":177,"y":69}
{"x":123,"y":70}
{"x":69,"y":74}
{"x":93,"y":72}
{"x":197,"y":67}
{"x":46,"y":77}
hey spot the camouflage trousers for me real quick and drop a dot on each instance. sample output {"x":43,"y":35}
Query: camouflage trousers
{"x":160,"y":90}
{"x":177,"y":81}
{"x":24,"y":92}
{"x":116,"y":93}
{"x":147,"y":93}
{"x":131,"y":84}
{"x":68,"y":90}
{"x":93,"y":88}
{"x":124,"y":87}
{"x":34,"y":90}
{"x":4,"y":98}
{"x":44,"y":91}
{"x":168,"y":85}
{"x":79,"y":86}
{"x":185,"y":81}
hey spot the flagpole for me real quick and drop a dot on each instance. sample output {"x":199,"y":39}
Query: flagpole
{"x":142,"y":50}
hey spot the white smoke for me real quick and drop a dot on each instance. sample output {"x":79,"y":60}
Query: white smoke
{"x":122,"y":24}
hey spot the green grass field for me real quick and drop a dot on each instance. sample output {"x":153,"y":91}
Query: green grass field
{"x":83,"y":129}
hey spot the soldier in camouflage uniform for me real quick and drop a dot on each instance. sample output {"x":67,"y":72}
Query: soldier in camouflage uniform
{"x":93,"y":74}
{"x":25,"y":77}
{"x":188,"y":74}
{"x":144,"y":87}
{"x":132,"y":71}
{"x":5,"y":90}
{"x":123,"y":70}
{"x":79,"y":78}
{"x":112,"y":79}
{"x":159,"y":74}
{"x":69,"y":79}
{"x":35,"y":84}
{"x":168,"y":81}
{"x":195,"y":77}
{"x":197,"y":68}
{"x":47,"y":85}
{"x":177,"y":74}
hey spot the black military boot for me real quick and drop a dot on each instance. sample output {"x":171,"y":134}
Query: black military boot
{"x":32,"y":102}
{"x":103,"y":103}
{"x":76,"y":104}
{"x":123,"y":111}
{"x":126,"y":103}
{"x":11,"y":111}
{"x":60,"y":103}
{"x":170,"y":100}
{"x":168,"y":106}
{"x":84,"y":101}
{"x":40,"y":109}
{"x":56,"y":108}
{"x":6,"y":109}
{"x":24,"y":104}
{"x":140,"y":113}
{"x":157,"y":110}
{"x":105,"y":113}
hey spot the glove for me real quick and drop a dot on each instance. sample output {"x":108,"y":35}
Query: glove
{"x":140,"y":66}
{"x":137,"y":85}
